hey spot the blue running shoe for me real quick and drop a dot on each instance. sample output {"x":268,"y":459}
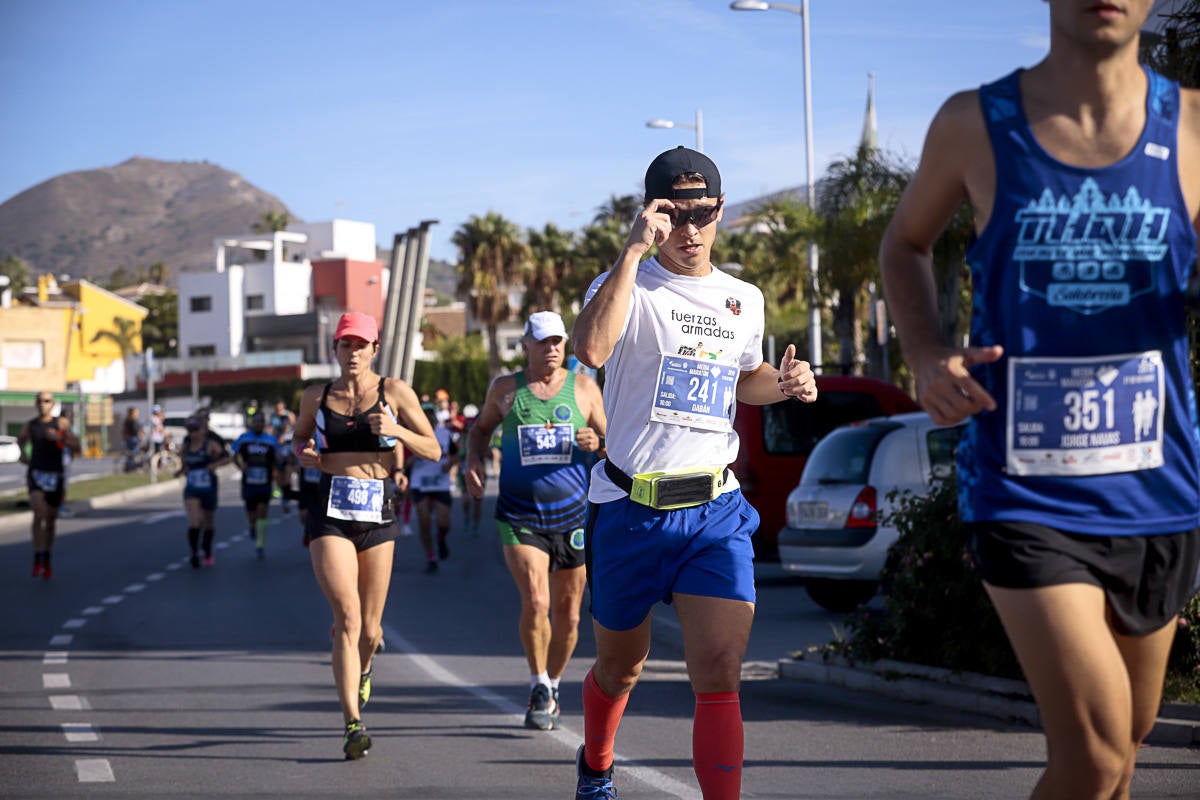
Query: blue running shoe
{"x":591,"y":786}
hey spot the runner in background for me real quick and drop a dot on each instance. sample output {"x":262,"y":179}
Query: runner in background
{"x":50,"y":438}
{"x":200,"y":456}
{"x":256,"y":454}
{"x":429,"y":482}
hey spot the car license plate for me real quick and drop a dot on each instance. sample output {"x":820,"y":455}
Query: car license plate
{"x":813,"y":512}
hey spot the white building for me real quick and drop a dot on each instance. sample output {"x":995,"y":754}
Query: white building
{"x":263,"y":275}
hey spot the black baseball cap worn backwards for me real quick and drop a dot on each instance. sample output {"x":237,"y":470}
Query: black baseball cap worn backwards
{"x":668,"y":166}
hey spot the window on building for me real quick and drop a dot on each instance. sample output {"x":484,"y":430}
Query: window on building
{"x":201,"y":304}
{"x":202,"y":350}
{"x":255,"y":302}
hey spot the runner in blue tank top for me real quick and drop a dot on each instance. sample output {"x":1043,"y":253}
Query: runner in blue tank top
{"x":1079,"y":473}
{"x":552,"y":422}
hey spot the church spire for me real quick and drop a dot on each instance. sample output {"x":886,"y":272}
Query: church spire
{"x":870,"y":133}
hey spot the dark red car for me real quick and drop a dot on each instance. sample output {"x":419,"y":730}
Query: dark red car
{"x":776,"y":441}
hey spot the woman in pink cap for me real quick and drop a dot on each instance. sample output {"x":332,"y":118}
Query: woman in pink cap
{"x":360,"y":422}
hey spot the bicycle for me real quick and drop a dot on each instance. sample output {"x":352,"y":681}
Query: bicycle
{"x":165,"y":462}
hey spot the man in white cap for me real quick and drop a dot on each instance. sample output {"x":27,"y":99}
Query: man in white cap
{"x":552,"y":420}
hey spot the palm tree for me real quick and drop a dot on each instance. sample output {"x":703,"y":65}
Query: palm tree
{"x":619,"y":208}
{"x":552,"y":253}
{"x":855,"y":202}
{"x":597,"y":249}
{"x":494,"y":259}
{"x":126,"y":335}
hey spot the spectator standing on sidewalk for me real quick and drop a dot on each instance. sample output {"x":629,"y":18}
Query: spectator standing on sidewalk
{"x":1081,"y":510}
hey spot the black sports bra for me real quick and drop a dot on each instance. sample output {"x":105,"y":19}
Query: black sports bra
{"x":352,"y":434}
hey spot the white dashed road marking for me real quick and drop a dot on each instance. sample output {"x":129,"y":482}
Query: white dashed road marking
{"x":61,"y":640}
{"x":56,"y":680}
{"x":113,"y":599}
{"x":134,"y":587}
{"x":80,"y":732}
{"x":66,"y":702}
{"x":94,"y":770}
{"x":91,"y":611}
{"x":55,"y":657}
{"x":74,"y":623}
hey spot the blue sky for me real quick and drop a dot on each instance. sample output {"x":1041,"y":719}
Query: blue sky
{"x":394,"y":112}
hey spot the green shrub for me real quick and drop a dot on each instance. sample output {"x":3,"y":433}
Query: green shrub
{"x":935,"y":610}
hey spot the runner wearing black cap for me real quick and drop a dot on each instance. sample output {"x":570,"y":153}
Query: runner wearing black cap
{"x":682,"y":344}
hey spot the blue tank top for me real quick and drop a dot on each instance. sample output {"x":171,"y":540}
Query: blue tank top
{"x":544,"y":476}
{"x":1081,"y":275}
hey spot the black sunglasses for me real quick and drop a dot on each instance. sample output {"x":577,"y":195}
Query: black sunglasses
{"x":45,"y":400}
{"x":701,"y":216}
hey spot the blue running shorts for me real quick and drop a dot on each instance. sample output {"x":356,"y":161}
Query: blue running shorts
{"x":638,"y":556}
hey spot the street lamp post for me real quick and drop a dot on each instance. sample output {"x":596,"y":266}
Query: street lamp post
{"x":814,"y":310}
{"x":697,"y":126}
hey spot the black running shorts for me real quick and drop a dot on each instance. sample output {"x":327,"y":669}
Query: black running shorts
{"x":1147,"y":579}
{"x":364,"y":535}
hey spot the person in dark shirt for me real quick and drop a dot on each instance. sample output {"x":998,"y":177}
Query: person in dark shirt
{"x":49,"y":437}
{"x":256,"y":454}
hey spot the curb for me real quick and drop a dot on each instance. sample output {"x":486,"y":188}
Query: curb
{"x":1178,"y":724}
{"x":21,"y":520}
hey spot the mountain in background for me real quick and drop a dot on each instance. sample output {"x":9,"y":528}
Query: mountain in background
{"x":89,"y":223}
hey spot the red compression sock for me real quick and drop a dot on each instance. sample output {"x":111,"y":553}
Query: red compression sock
{"x":718,"y":744}
{"x":601,"y":718}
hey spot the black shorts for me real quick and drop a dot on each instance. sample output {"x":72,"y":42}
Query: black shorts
{"x":54,"y":497}
{"x":442,"y":497}
{"x":364,"y":535}
{"x":208,"y":499}
{"x":566,"y":550}
{"x":1147,"y":579}
{"x":255,"y":501}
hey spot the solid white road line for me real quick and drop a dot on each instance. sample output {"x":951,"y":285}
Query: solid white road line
{"x":651,"y":777}
{"x":94,"y":770}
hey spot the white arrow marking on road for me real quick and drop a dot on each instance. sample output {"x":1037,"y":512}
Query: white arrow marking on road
{"x":650,"y":777}
{"x":94,"y":770}
{"x":79,"y":732}
{"x":56,"y":680}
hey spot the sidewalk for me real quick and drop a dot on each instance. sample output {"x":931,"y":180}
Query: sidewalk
{"x":1178,"y":724}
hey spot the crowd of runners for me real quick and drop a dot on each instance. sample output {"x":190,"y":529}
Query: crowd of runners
{"x":625,"y":494}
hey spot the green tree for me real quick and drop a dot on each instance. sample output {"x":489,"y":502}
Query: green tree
{"x":17,"y":270}
{"x":551,"y":262}
{"x":620,"y":209}
{"x":1176,"y":51}
{"x":493,"y":260}
{"x":462,"y":348}
{"x":855,"y":202}
{"x":160,"y":329}
{"x":124,"y":334}
{"x":596,"y":250}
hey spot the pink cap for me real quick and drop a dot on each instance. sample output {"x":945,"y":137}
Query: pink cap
{"x":356,"y":323}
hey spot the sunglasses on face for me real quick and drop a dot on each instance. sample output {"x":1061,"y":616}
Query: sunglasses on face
{"x":44,"y":400}
{"x":701,"y":216}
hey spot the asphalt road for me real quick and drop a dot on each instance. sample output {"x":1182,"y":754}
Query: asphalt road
{"x":131,"y":675}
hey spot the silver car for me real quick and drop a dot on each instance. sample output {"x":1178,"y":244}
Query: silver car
{"x":833,"y":536}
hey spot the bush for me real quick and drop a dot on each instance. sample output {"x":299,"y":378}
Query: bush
{"x":936,"y":612}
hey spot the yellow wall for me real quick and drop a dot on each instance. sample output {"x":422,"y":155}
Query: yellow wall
{"x":95,"y":312}
{"x":33,"y":324}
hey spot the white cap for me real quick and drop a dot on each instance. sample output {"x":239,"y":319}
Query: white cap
{"x":544,"y":324}
{"x":470,"y":411}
